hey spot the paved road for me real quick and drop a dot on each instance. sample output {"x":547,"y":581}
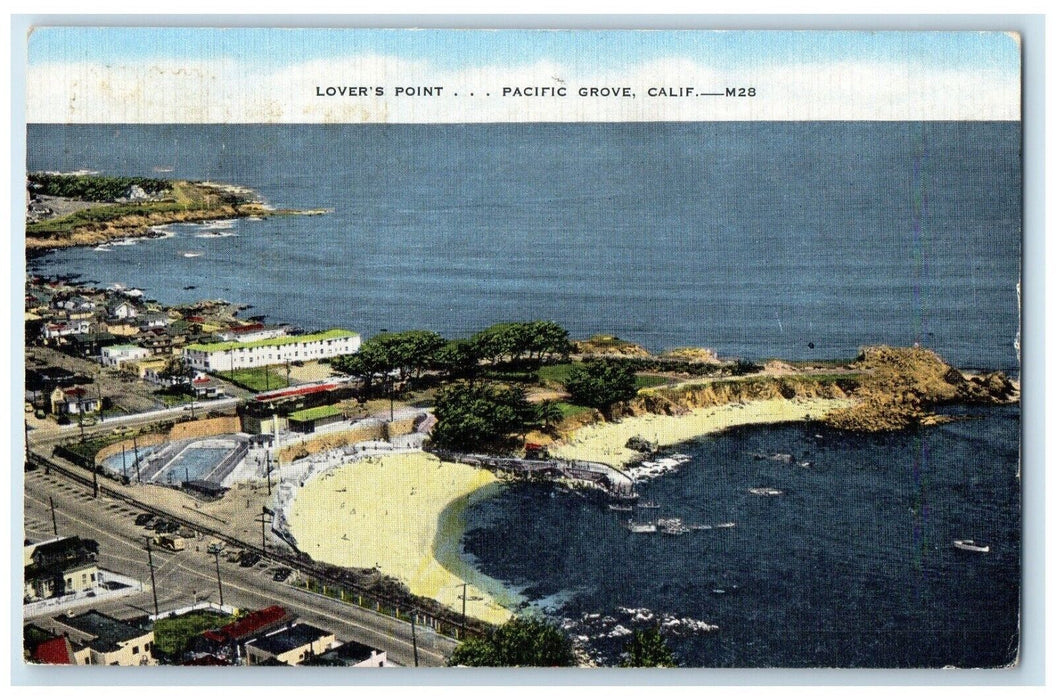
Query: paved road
{"x":183,"y":577}
{"x":52,"y":435}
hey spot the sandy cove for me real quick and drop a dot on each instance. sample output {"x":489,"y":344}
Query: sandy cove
{"x":606,"y":442}
{"x":405,"y":513}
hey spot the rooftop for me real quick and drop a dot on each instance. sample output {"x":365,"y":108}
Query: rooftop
{"x":108,"y":631}
{"x":332,"y":334}
{"x":316,"y":413}
{"x":290,"y":638}
{"x":251,"y":623}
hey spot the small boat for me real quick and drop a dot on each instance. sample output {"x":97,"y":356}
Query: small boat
{"x":191,"y":254}
{"x":726,"y":525}
{"x":640,"y":527}
{"x":765,"y":491}
{"x":672,"y":526}
{"x":701,"y":527}
{"x":971,"y":546}
{"x":649,"y":504}
{"x":620,"y":508}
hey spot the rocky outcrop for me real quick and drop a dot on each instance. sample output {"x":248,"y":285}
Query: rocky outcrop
{"x":900,"y":386}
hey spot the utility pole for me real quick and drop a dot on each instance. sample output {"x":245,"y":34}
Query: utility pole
{"x":414,"y":636}
{"x":124,"y":470}
{"x":267,"y":456}
{"x":219,"y":585}
{"x":54,"y":524}
{"x":135,"y":451}
{"x":287,"y":374}
{"x":463,"y":636}
{"x":153,"y":585}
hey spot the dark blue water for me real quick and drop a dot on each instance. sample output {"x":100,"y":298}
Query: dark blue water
{"x":852,"y":567}
{"x":753,"y":238}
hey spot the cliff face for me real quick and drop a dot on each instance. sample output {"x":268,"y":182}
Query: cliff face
{"x":900,"y":386}
{"x":893,"y":388}
{"x":684,"y":399}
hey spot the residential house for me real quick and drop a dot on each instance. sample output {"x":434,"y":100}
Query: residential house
{"x":58,"y":567}
{"x":121,"y":309}
{"x":350,"y":654}
{"x":74,"y":401}
{"x":110,"y":642}
{"x":63,"y":328}
{"x":229,"y":641}
{"x":154,"y":320}
{"x":291,"y":645}
{"x":39,"y":646}
{"x":117,"y":355}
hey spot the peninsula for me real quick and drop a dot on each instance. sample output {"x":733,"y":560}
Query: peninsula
{"x":66,"y":210}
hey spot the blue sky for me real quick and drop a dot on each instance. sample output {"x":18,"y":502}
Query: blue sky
{"x":268,"y":47}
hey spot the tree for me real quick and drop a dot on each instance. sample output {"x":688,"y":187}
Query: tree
{"x":548,"y":413}
{"x":457,"y":359}
{"x":647,"y":649}
{"x":521,"y":641}
{"x":479,"y":416}
{"x":601,"y":383}
{"x":177,"y":370}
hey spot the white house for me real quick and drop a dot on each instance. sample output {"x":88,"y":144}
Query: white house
{"x":63,"y":328}
{"x":232,"y":355}
{"x":116,"y":355}
{"x":122,"y":309}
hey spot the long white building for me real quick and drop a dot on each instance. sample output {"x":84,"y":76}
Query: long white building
{"x":229,"y":356}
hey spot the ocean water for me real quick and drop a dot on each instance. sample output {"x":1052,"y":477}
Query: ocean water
{"x":794,"y":240}
{"x":852,"y":566}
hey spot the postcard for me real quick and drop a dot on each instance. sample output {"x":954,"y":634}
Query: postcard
{"x":522,"y":348}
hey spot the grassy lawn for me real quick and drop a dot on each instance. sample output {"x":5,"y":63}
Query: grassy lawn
{"x":570,"y":409}
{"x":556,"y":374}
{"x":171,"y":400}
{"x":645,"y":381}
{"x":258,"y":378}
{"x":173,"y":634}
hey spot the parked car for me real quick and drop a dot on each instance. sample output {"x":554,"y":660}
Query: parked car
{"x":281,"y":574}
{"x":249,"y":559}
{"x":234,"y":555}
{"x":144,"y":518}
{"x":157,"y":524}
{"x":215,"y":547}
{"x":186,"y":532}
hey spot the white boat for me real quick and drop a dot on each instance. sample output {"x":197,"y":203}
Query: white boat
{"x":620,"y":508}
{"x":649,"y":504}
{"x":725,"y":525}
{"x":672,"y":526}
{"x":640,"y":527}
{"x":765,"y":491}
{"x":971,"y":546}
{"x":191,"y":254}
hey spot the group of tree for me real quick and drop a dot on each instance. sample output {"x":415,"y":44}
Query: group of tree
{"x":408,"y":354}
{"x":92,"y":188}
{"x":521,"y":641}
{"x":531,"y":641}
{"x":534,"y":341}
{"x":600,"y":383}
{"x":480,"y":416}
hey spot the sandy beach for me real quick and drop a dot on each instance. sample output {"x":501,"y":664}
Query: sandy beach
{"x":604,"y":442}
{"x":404,"y":514}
